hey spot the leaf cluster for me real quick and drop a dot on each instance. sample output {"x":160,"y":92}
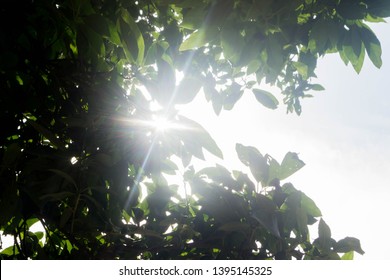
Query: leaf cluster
{"x":80,"y":155}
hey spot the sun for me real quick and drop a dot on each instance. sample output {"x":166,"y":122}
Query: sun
{"x":161,"y":124}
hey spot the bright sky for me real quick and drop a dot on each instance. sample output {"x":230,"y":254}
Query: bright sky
{"x":343,"y":136}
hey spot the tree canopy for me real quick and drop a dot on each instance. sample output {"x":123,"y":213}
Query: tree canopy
{"x":82,"y":85}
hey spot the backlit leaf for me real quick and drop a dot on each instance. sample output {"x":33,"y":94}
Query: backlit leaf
{"x":353,"y":49}
{"x":200,"y":135}
{"x":251,"y":157}
{"x":290,"y":164}
{"x":317,"y":87}
{"x":199,"y":38}
{"x":187,"y":90}
{"x":348,"y":256}
{"x":234,"y":93}
{"x":136,"y":34}
{"x":372,"y":44}
{"x":309,"y":206}
{"x":266,"y":98}
{"x":301,"y":68}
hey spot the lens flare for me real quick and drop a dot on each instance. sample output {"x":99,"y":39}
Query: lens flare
{"x":161,"y":124}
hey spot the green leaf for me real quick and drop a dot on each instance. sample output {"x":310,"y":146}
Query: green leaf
{"x":343,"y":56}
{"x":264,"y":211}
{"x":235,"y":226}
{"x":324,"y":232}
{"x":266,"y":98}
{"x":151,"y":54}
{"x":232,"y":43}
{"x":47,"y":134}
{"x":218,"y":174}
{"x":348,"y":256}
{"x":192,"y":18}
{"x":234,"y":93}
{"x":219,"y":12}
{"x":56,"y":196}
{"x":352,"y":10}
{"x":99,"y":24}
{"x":290,"y":164}
{"x":10,"y":205}
{"x":302,"y":221}
{"x":324,"y":240}
{"x":187,"y":90}
{"x":301,"y":68}
{"x":274,"y":51}
{"x":114,"y":34}
{"x":349,"y":244}
{"x":217,"y":101}
{"x":293,"y":201}
{"x":243,"y":180}
{"x":65,"y":216}
{"x":318,"y":37}
{"x":379,"y":8}
{"x":131,"y":36}
{"x":316,"y":87}
{"x":359,"y":62}
{"x":250,"y":54}
{"x":11,"y":155}
{"x":309,"y":205}
{"x":9,"y":251}
{"x":274,"y":169}
{"x":163,"y":88}
{"x":31,"y":222}
{"x":64,"y":175}
{"x":251,"y":157}
{"x":372,"y":45}
{"x":93,"y":46}
{"x":253,"y":66}
{"x":197,"y":133}
{"x":353,"y":48}
{"x":199,"y":38}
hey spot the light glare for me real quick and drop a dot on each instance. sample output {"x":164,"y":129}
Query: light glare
{"x":161,"y":124}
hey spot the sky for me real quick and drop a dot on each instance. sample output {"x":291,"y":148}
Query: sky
{"x":343,"y":136}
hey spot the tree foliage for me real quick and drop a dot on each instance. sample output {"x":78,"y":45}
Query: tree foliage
{"x":80,"y":80}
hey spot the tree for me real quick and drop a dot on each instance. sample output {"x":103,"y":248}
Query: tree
{"x":80,"y":154}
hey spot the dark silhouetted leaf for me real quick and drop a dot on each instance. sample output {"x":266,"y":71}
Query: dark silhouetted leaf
{"x":348,"y":244}
{"x":264,"y":211}
{"x":235,"y":226}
